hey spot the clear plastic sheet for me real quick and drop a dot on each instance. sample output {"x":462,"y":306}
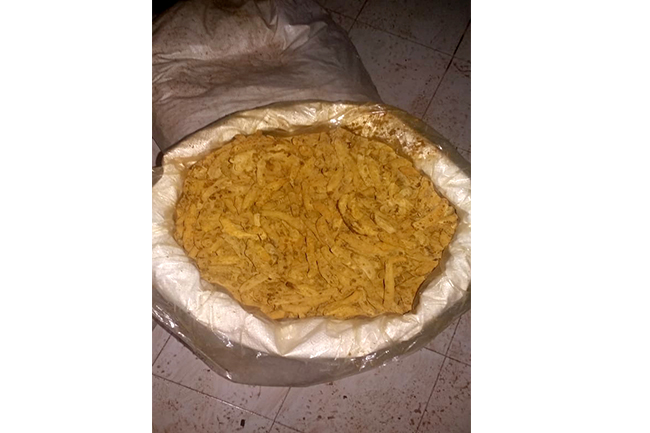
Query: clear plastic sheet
{"x":245,"y":346}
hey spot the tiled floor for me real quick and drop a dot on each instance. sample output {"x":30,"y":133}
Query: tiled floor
{"x":428,"y":391}
{"x":418,"y":54}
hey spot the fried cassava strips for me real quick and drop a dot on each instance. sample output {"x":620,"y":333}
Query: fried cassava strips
{"x":322,"y":224}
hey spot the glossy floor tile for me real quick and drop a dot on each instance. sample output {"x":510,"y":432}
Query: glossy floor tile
{"x":177,"y":409}
{"x":278,"y":428}
{"x":464,"y":51}
{"x":406,"y":74}
{"x":342,"y":20}
{"x":179,"y":365}
{"x":449,"y":111}
{"x":388,"y":399}
{"x":449,"y":409}
{"x":440,"y":344}
{"x":158,"y":337}
{"x":350,"y":8}
{"x":460,"y":347}
{"x":434,"y":23}
{"x":393,"y":398}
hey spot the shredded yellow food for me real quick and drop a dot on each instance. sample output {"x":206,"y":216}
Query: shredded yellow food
{"x":322,"y":224}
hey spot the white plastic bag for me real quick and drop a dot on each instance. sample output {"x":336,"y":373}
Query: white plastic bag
{"x":210,"y":62}
{"x":246,"y":346}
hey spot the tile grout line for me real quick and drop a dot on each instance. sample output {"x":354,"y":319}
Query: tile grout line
{"x":287,"y":427}
{"x":460,"y":362}
{"x":461,"y":40}
{"x":406,"y":39}
{"x":212,"y":397}
{"x":446,"y":70}
{"x":279,"y":409}
{"x":424,"y":411}
{"x":162,"y":348}
{"x":448,"y":356}
{"x":452,"y":339}
{"x":216,"y":398}
{"x":454,"y":334}
{"x":357,"y":17}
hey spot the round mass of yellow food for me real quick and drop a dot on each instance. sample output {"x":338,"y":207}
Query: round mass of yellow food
{"x":320,"y":224}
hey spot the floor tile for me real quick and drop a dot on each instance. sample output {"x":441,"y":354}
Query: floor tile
{"x":179,"y":365}
{"x":449,"y":112}
{"x":449,"y":409}
{"x":350,"y":8}
{"x":466,"y":154}
{"x":278,"y":428}
{"x":461,"y":346}
{"x":153,"y":322}
{"x":434,"y":23}
{"x":342,"y":20}
{"x":180,"y":410}
{"x":158,"y":338}
{"x":389,"y":399}
{"x":464,"y":51}
{"x":406,"y":74}
{"x":441,"y":342}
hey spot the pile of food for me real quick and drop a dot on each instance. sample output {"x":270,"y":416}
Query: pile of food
{"x":320,"y":224}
